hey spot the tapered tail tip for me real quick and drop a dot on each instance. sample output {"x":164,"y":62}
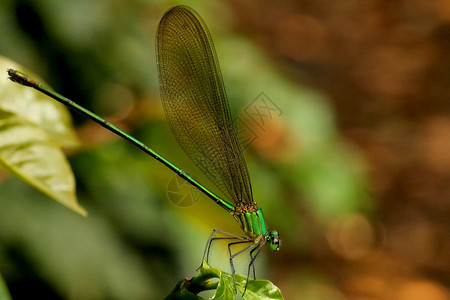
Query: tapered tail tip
{"x":20,"y":78}
{"x":14,"y":75}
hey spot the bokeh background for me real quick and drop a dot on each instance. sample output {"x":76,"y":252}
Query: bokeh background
{"x":354,"y":170}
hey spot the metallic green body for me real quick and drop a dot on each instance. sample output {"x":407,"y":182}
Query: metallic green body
{"x":196,"y":106}
{"x":23,"y":79}
{"x":252,"y":222}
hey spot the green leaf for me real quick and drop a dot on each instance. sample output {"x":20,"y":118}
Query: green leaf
{"x":256,"y":289}
{"x":30,"y":141}
{"x":35,"y":107}
{"x":181,"y":291}
{"x":4,"y":293}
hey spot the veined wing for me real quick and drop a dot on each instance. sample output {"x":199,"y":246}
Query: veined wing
{"x":195,"y":102}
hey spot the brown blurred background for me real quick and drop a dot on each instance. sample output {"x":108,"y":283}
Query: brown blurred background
{"x":386,"y":67}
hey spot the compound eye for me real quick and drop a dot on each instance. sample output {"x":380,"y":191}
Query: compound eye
{"x":274,"y":241}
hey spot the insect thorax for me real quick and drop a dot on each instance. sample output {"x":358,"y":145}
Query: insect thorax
{"x":251,"y":219}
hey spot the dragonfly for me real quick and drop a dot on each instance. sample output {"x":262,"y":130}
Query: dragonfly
{"x":196,"y":107}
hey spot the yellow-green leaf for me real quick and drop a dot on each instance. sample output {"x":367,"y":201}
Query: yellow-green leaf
{"x":4,"y":293}
{"x":32,"y":130}
{"x":29,"y":153}
{"x":35,"y":107}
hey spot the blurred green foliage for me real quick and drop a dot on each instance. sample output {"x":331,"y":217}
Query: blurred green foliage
{"x":136,"y":244}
